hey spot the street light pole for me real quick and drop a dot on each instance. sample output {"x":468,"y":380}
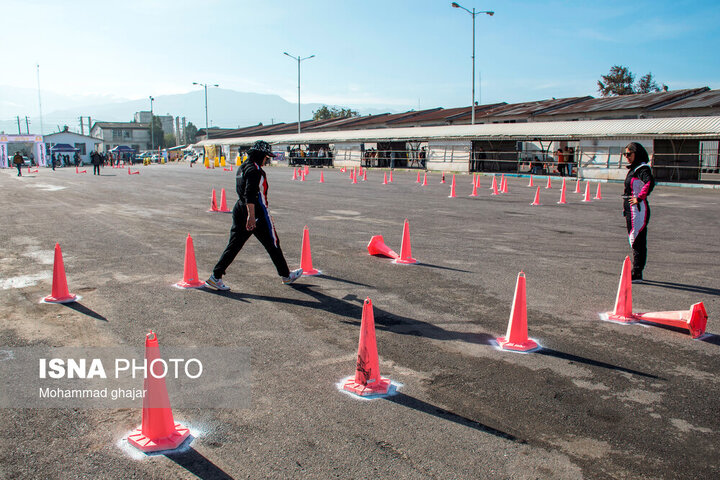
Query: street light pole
{"x":205,"y":86}
{"x":298,"y":62}
{"x":473,"y":14}
{"x":152,"y":125}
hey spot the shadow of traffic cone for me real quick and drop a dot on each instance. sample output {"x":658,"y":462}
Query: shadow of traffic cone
{"x":367,"y":380}
{"x":537,"y":197}
{"x":322,"y":178}
{"x":531,"y":182}
{"x":385,"y":178}
{"x":577,"y":186}
{"x":213,"y":203}
{"x":587,"y":192}
{"x":549,"y":183}
{"x":494,"y":186}
{"x":405,"y":247}
{"x":59,"y":292}
{"x":190,"y":273}
{"x":223,"y":203}
{"x":516,"y":337}
{"x":623,"y":301}
{"x":562,"y":194}
{"x":452,"y":188}
{"x":158,"y":430}
{"x":424,"y":184}
{"x":306,"y":255}
{"x":377,"y":247}
{"x":598,"y":194}
{"x":693,"y":320}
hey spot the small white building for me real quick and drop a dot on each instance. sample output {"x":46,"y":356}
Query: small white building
{"x":83,"y":143}
{"x":132,"y":134}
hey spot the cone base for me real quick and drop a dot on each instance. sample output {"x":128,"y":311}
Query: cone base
{"x":452,"y":196}
{"x":380,"y":387}
{"x":310,"y":273}
{"x":405,"y":261}
{"x":224,"y":211}
{"x":214,"y":211}
{"x":562,"y":203}
{"x":614,"y":317}
{"x":66,"y":299}
{"x":190,"y":284}
{"x":145,"y":444}
{"x":535,"y":204}
{"x":473,"y":195}
{"x":518,"y":347}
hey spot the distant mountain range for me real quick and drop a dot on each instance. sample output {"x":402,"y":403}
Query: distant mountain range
{"x":226,"y":109}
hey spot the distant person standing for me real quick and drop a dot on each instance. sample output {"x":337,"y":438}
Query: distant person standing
{"x":639,"y":182}
{"x":251,"y":217}
{"x":96,"y":160}
{"x":52,"y":161}
{"x":18,"y":161}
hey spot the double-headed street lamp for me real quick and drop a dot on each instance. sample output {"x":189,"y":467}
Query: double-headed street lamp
{"x":205,"y":85}
{"x":474,"y":14}
{"x":298,"y":62}
{"x":152,"y":125}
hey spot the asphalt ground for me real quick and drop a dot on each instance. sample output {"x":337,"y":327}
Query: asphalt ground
{"x":599,"y":400}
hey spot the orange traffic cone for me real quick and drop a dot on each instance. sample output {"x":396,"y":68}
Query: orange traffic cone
{"x":354,"y":177}
{"x":322,"y":178}
{"x":302,"y":175}
{"x":418,"y":178}
{"x":294,"y":174}
{"x":587,"y":192}
{"x":504,"y":188}
{"x":598,"y":194}
{"x":59,"y":292}
{"x":390,"y":180}
{"x":516,"y":337}
{"x":307,"y":169}
{"x":494,"y":186}
{"x":223,"y":203}
{"x":477,"y":181}
{"x":424,"y":184}
{"x":377,"y":247}
{"x":549,"y":183}
{"x":306,"y":255}
{"x":367,"y":379}
{"x":365,"y":175}
{"x":577,"y":186}
{"x":562,"y":194}
{"x":213,"y":203}
{"x":623,"y":300}
{"x":694,"y":320}
{"x":190,"y":273}
{"x":452,"y":188}
{"x":537,"y":197}
{"x":405,"y":247}
{"x":474,"y":192}
{"x":531,"y":182}
{"x":385,"y":178}
{"x":158,"y":430}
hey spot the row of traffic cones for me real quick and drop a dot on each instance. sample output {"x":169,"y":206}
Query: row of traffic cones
{"x":562,"y":201}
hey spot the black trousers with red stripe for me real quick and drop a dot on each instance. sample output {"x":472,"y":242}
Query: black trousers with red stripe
{"x":264,"y":231}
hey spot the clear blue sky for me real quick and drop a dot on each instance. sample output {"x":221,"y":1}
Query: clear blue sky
{"x":395,"y":54}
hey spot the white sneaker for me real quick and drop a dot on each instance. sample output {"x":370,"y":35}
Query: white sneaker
{"x":216,"y":283}
{"x":294,"y":275}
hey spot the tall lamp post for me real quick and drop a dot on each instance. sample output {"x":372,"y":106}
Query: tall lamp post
{"x":298,"y":62}
{"x":152,"y":125}
{"x":474,"y":14}
{"x":205,"y":86}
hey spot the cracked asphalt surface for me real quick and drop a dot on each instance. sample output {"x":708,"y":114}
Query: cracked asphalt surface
{"x":599,"y":400}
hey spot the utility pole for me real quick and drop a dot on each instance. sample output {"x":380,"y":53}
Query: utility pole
{"x":40,"y":101}
{"x":82,"y":127}
{"x":152,"y":126}
{"x":27,"y":125}
{"x":18,"y":119}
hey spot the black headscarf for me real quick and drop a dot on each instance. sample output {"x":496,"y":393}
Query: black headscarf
{"x":641,"y":155}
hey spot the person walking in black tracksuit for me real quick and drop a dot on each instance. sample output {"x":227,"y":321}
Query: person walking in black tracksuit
{"x":251,"y":217}
{"x":639,"y":182}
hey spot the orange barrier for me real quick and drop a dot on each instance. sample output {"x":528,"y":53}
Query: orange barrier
{"x":516,"y":337}
{"x":158,"y":430}
{"x":60,"y":292}
{"x":367,"y":380}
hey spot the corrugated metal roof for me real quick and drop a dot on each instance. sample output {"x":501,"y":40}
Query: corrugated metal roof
{"x":627,"y":102}
{"x":707,"y":99}
{"x":676,"y":127}
{"x":531,"y":108}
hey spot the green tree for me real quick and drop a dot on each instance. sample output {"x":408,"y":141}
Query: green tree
{"x":156,"y":132}
{"x":169,"y":140}
{"x":620,"y":81}
{"x":326,"y":113}
{"x":190,"y":132}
